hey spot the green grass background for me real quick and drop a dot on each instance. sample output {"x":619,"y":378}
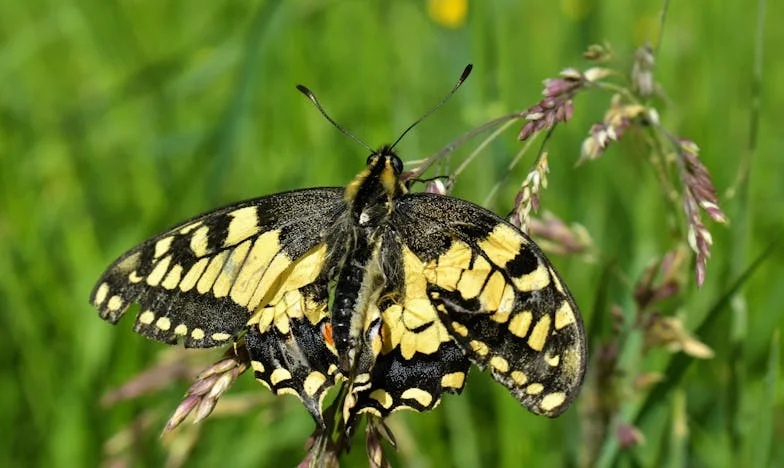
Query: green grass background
{"x":120,"y":118}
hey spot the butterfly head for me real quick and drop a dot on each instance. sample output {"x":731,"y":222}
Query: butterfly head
{"x":386,"y":163}
{"x":378,"y":184}
{"x":387,"y":157}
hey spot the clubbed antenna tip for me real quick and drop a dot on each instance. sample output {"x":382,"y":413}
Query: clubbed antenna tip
{"x":463,"y":76}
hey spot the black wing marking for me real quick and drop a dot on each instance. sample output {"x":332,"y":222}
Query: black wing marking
{"x":415,"y":384}
{"x":499,"y":298}
{"x":202,"y":280}
{"x":291,"y":350}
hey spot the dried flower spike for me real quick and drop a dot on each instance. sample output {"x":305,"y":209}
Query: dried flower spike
{"x":545,"y":115}
{"x":322,"y":451}
{"x":209,"y":386}
{"x":669,"y":332}
{"x":629,"y":436}
{"x":437,"y":186}
{"x":698,"y":181}
{"x":557,"y":104}
{"x":376,"y":433}
{"x":617,"y":119}
{"x":527,"y":198}
{"x":642,"y":71}
{"x":598,"y":53}
{"x":698,"y":192}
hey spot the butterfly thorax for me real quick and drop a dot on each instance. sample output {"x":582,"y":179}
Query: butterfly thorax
{"x":360,"y":281}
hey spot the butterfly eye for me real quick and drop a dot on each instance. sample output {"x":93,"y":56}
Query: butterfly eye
{"x":371,"y":159}
{"x":397,"y":164}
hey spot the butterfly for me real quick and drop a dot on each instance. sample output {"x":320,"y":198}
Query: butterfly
{"x":394,"y":294}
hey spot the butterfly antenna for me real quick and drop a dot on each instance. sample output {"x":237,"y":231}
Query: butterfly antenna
{"x":315,"y":101}
{"x":463,"y":76}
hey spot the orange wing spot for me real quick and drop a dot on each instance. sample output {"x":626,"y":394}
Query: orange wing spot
{"x":327,"y":332}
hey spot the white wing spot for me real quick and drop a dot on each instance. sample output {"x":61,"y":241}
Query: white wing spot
{"x":129,"y":263}
{"x":500,"y":364}
{"x":173,"y":277}
{"x":519,"y":377}
{"x":163,"y":323}
{"x":147,"y":317}
{"x":220,"y":336}
{"x":101,"y":293}
{"x":287,"y":391}
{"x":552,"y":401}
{"x":115,"y":302}
{"x":189,"y":227}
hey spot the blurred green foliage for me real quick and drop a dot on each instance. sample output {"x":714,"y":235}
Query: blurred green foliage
{"x":118,"y":119}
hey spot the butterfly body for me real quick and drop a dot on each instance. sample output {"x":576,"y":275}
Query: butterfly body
{"x":394,"y":293}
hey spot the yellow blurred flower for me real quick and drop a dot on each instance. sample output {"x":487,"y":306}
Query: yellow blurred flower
{"x":448,"y":13}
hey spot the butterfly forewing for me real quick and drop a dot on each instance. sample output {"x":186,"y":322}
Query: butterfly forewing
{"x":498,"y":297}
{"x":254,"y":265}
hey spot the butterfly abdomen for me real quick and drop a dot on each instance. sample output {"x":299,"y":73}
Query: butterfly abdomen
{"x":351,"y":275}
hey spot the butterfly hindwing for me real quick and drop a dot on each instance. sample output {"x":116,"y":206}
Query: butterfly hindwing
{"x":416,"y":359}
{"x":415,"y":384}
{"x":202,"y":280}
{"x":498,"y":297}
{"x":290,"y":349}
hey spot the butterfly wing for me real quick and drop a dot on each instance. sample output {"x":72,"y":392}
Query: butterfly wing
{"x":257,"y":267}
{"x":498,"y":297}
{"x":416,"y":359}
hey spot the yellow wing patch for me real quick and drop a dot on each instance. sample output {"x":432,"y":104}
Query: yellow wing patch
{"x":413,"y":324}
{"x":243,"y":225}
{"x":283,"y":300}
{"x":502,"y":244}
